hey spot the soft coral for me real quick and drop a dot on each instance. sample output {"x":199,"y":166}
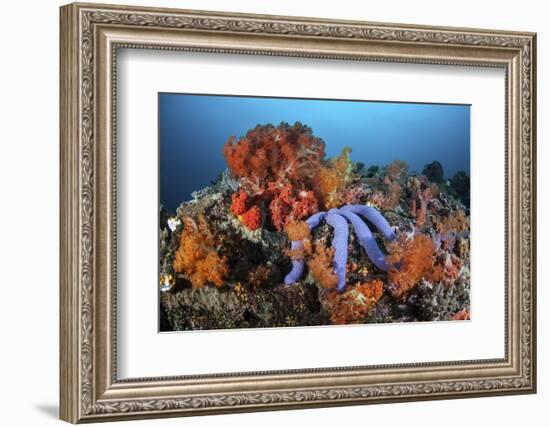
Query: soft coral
{"x":276,"y":165}
{"x":332,"y":178}
{"x":269,"y":153}
{"x":289,"y":204}
{"x":353,"y":305}
{"x":196,"y":256}
{"x":410,"y":261}
{"x":250,"y":216}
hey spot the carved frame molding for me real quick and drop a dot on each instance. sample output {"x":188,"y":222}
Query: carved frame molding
{"x":90,"y":36}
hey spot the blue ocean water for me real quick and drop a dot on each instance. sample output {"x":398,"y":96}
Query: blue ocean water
{"x":194,"y":128}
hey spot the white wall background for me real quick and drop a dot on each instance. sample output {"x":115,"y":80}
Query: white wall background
{"x":29,"y":170}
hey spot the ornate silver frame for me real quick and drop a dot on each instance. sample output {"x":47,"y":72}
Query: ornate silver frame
{"x":90,"y":36}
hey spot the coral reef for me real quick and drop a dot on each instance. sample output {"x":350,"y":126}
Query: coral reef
{"x":288,"y":237}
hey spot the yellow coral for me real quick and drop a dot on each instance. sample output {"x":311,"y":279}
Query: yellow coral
{"x":240,"y":291}
{"x":333,"y":177}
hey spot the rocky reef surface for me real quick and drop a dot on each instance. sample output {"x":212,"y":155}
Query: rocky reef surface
{"x":226,"y":255}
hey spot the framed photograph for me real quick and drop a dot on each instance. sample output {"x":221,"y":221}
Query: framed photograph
{"x":267,"y":212}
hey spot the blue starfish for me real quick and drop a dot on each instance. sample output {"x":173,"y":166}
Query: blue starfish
{"x":338,"y":220}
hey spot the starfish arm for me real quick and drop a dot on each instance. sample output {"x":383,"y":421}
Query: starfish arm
{"x":297,"y":265}
{"x":340,"y":245}
{"x":375,"y":217}
{"x":366,"y":239}
{"x":314,"y":220}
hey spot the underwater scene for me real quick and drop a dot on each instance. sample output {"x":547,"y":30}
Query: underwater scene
{"x":282,"y":212}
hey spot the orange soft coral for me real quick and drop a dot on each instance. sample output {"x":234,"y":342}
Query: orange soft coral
{"x":196,"y":256}
{"x":332,"y":178}
{"x":410,"y":260}
{"x":392,"y":196}
{"x":320,"y":266}
{"x":455,"y":222}
{"x":354,"y":304}
{"x":297,"y":230}
{"x":259,"y":276}
{"x":461,"y":315}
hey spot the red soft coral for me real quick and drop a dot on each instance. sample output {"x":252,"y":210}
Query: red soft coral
{"x":288,"y":204}
{"x":419,"y":204}
{"x":278,"y":166}
{"x":397,"y":170}
{"x":239,"y":202}
{"x":252,"y":218}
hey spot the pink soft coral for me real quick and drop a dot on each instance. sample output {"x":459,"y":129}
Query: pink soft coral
{"x":447,"y":269}
{"x":419,"y":210}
